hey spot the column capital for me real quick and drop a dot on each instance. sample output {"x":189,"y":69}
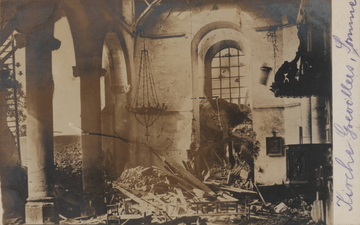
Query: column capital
{"x":47,"y":43}
{"x":81,"y":71}
{"x":120,"y":89}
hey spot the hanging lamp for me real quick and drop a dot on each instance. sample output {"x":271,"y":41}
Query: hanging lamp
{"x":145,"y":106}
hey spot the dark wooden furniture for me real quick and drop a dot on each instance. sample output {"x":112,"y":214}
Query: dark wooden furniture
{"x":304,"y":162}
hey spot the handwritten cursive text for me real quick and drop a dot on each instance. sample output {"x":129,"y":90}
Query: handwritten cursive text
{"x":346,"y":197}
{"x":348,"y":43}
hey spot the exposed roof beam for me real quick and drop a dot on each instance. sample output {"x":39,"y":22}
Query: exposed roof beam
{"x":146,"y":13}
{"x":155,"y":36}
{"x":120,"y":21}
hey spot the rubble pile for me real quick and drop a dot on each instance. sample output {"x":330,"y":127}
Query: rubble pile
{"x":235,"y":177}
{"x":165,"y":196}
{"x":140,"y":178}
{"x":69,"y":158}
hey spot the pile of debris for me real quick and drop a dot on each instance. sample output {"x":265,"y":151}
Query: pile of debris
{"x":140,"y":178}
{"x":69,"y":158}
{"x":236,"y":177}
{"x":165,"y":196}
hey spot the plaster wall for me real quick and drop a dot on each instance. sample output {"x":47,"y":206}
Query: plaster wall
{"x":269,"y":170}
{"x":282,"y":115}
{"x":172,"y":66}
{"x":178,"y":84}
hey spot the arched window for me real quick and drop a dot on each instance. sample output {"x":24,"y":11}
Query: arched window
{"x":227,"y":76}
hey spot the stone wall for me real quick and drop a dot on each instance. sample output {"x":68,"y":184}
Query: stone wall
{"x":178,"y":70}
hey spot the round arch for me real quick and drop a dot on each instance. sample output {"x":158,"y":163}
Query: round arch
{"x":117,"y":60}
{"x":204,"y":42}
{"x":117,"y":86}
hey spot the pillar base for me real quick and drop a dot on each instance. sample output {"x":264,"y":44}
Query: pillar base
{"x":40,"y":213}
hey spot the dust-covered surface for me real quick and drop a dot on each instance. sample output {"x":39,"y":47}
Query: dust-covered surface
{"x":283,"y":219}
{"x":150,"y":195}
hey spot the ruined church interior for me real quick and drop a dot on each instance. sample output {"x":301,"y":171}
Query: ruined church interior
{"x":165,"y":112}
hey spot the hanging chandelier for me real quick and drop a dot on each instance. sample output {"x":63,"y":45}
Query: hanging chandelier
{"x":145,"y":106}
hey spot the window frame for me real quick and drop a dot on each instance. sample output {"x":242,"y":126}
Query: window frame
{"x":243,"y":97}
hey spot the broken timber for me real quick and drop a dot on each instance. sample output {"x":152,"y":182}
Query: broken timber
{"x":183,"y":173}
{"x":147,"y":205}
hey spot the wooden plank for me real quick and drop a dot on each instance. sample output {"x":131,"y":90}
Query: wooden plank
{"x":131,"y":216}
{"x":181,"y":181}
{"x":190,"y":167}
{"x":228,"y":198}
{"x":183,"y":172}
{"x":238,"y":190}
{"x":163,"y":204}
{"x":186,"y":166}
{"x":142,"y":202}
{"x":218,"y":157}
{"x":262,"y":198}
{"x":181,"y":196}
{"x":62,"y":217}
{"x":212,"y":214}
{"x":228,"y":177}
{"x":189,"y":177}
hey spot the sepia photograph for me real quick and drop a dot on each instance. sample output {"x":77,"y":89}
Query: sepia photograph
{"x":170,"y":112}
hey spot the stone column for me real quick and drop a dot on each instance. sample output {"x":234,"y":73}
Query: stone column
{"x":40,"y":206}
{"x":90,"y":72}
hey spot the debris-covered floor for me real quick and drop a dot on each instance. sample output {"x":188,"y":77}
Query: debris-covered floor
{"x":278,"y":219}
{"x":154,"y":195}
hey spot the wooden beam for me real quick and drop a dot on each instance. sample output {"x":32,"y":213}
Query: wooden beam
{"x":262,"y":198}
{"x":155,"y":36}
{"x":148,"y":206}
{"x":181,"y":181}
{"x":181,"y":196}
{"x":183,"y":172}
{"x":130,"y":28}
{"x":237,"y":190}
{"x":146,"y":13}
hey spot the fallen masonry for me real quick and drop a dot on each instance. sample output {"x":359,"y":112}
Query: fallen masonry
{"x":155,"y":195}
{"x":170,"y":194}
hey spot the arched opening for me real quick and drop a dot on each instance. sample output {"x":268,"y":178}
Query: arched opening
{"x":222,"y":89}
{"x":114,"y":99}
{"x":206,"y":43}
{"x":226,"y":75}
{"x":67,"y":88}
{"x":226,"y":107}
{"x":67,"y":125}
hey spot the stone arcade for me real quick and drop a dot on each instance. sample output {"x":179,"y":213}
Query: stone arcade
{"x":195,"y":47}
